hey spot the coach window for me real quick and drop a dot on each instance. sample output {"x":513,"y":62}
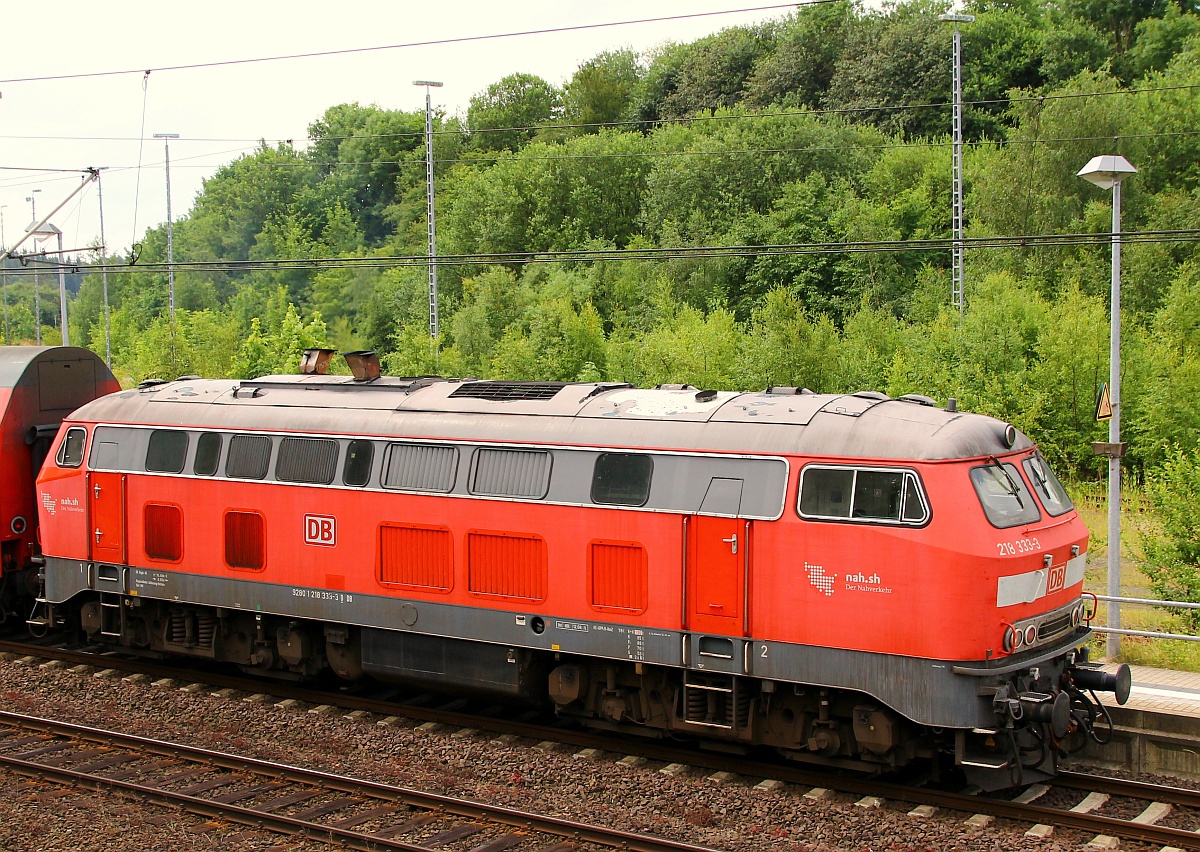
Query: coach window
{"x":70,"y":454}
{"x":166,"y":451}
{"x":622,"y":479}
{"x":871,"y":495}
{"x":357,"y":469}
{"x":1049,"y":490}
{"x":249,"y":457}
{"x":208,"y":454}
{"x":1003,"y":495}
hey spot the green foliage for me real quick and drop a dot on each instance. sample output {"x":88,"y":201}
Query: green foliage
{"x":601,"y":90}
{"x":894,"y":59}
{"x":506,"y":115}
{"x":1173,"y":557}
{"x":799,"y":69}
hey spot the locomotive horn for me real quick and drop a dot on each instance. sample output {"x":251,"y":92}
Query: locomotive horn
{"x":1119,"y":682}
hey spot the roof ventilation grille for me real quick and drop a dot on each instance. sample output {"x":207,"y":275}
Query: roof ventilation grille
{"x":506,"y":391}
{"x":919,"y":399}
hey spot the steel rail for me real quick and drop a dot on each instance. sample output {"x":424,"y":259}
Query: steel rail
{"x":417,"y":799}
{"x":789,"y":773}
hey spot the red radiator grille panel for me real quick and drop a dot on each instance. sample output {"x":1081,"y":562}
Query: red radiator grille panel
{"x":164,"y":532}
{"x":416,"y":557}
{"x":508,"y":565}
{"x":618,"y":576}
{"x":245,"y":541}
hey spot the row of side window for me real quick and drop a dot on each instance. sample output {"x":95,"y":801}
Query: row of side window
{"x":620,"y":479}
{"x":827,"y":492}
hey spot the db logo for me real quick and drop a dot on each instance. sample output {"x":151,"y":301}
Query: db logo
{"x":320,"y":529}
{"x":1058,"y":579}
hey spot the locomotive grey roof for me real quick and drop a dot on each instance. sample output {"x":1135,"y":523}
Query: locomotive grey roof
{"x":583,"y":413}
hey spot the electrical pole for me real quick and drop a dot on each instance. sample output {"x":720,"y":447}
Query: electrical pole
{"x":433,"y":293}
{"x":4,"y":274}
{"x":957,"y":282}
{"x":37,"y":284}
{"x":104,"y":273}
{"x":166,"y":138}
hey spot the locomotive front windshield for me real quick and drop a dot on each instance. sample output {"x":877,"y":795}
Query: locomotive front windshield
{"x":1002,"y":493}
{"x":1048,"y":487}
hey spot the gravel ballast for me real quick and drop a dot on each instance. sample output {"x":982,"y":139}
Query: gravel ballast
{"x":689,"y":807}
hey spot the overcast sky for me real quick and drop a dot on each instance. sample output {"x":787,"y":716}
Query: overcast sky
{"x":221,"y":112}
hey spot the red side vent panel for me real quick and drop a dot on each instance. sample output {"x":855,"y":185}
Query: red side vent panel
{"x":416,"y":557}
{"x":245,"y":545}
{"x":164,"y":532}
{"x":508,"y":565}
{"x":618,"y":576}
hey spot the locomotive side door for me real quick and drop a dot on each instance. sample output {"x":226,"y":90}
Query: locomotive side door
{"x":717,"y":559}
{"x":106,"y":508}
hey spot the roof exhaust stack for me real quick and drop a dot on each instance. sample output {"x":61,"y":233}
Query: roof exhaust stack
{"x":364,"y":364}
{"x":315,"y":362}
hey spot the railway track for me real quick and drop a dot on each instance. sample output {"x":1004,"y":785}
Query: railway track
{"x":348,"y":812}
{"x":1086,"y":813}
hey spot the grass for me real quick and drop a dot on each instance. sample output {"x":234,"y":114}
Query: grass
{"x":1137,"y":524}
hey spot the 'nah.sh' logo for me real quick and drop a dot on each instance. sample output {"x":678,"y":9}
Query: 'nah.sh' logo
{"x":49,"y":503}
{"x":822,"y":581}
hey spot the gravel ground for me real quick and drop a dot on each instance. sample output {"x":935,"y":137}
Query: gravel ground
{"x":734,"y":816}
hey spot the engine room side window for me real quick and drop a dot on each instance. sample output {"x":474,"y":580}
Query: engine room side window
{"x":208,"y":454}
{"x":871,"y":495}
{"x":1002,"y":493}
{"x":1047,"y":486}
{"x":70,"y":454}
{"x":622,"y":479}
{"x":357,"y":469}
{"x":511,"y":473}
{"x":308,"y":460}
{"x":420,"y":467}
{"x":249,"y":457}
{"x":166,"y":451}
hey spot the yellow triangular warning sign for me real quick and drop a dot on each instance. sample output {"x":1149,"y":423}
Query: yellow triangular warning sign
{"x":1103,"y":404}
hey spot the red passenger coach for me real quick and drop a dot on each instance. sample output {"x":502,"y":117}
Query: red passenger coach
{"x":39,"y":386}
{"x":849,"y":579}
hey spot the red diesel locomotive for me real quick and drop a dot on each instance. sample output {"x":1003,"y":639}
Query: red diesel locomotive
{"x":849,"y":579}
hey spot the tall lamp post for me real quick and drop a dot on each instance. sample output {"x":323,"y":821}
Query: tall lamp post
{"x":957,"y":272}
{"x":166,"y":138}
{"x":42,"y":234}
{"x":433,"y":294}
{"x":1107,"y":172}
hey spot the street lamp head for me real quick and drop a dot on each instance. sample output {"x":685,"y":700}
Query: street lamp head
{"x":1107,"y":171}
{"x":958,"y":19}
{"x":427,"y":83}
{"x":166,"y":135}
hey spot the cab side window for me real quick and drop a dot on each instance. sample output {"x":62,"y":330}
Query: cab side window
{"x":70,"y":453}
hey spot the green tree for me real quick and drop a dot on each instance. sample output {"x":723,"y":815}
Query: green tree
{"x":892,"y":61}
{"x":507,"y":114}
{"x":798,"y":71}
{"x":1173,"y":555}
{"x":601,"y":89}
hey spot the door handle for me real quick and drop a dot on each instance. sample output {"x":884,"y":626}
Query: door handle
{"x":98,"y":534}
{"x":96,"y":490}
{"x":731,"y":540}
